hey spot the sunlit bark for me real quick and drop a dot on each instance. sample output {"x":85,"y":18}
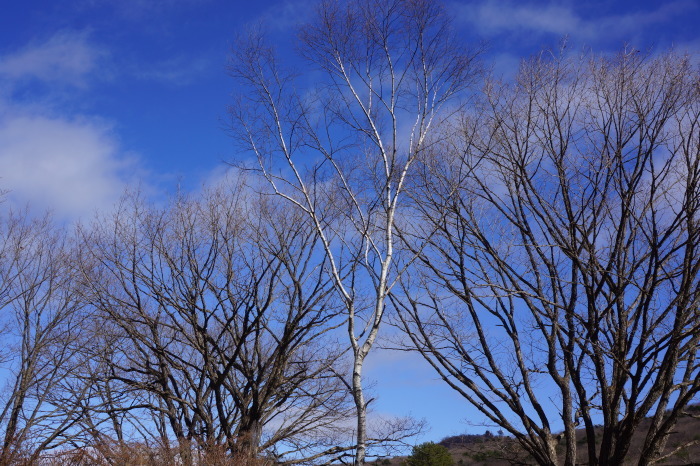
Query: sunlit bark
{"x":341,"y":152}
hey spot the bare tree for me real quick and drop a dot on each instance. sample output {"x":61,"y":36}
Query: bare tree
{"x":559,"y":241}
{"x":388,"y":72}
{"x":216,"y":325}
{"x":40,"y":312}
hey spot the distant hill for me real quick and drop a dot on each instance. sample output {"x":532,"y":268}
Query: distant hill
{"x":491,"y":449}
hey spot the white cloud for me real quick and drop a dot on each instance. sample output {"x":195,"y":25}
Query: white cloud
{"x":71,"y":166}
{"x":66,"y":58}
{"x":50,"y":158}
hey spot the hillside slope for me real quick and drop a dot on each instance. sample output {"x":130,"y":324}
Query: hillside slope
{"x":497,"y":450}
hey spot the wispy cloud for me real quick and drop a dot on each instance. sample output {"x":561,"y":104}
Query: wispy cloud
{"x":65,"y":58}
{"x":177,"y":71}
{"x":285,"y":15}
{"x":139,"y":11}
{"x":70,"y":166}
{"x":555,"y":18}
{"x":499,"y":16}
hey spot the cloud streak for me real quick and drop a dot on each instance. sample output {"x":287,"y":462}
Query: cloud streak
{"x":553,"y":18}
{"x":67,"y":58}
{"x":176,"y":71}
{"x":286,"y":15}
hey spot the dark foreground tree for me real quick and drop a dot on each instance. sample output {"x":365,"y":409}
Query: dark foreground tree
{"x":559,"y":242}
{"x":213,"y":331}
{"x":388,"y":72}
{"x":429,"y":454}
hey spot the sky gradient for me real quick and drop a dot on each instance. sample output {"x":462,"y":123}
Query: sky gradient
{"x":100,"y":95}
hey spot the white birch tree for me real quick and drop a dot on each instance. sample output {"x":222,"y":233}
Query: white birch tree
{"x":386,"y":73}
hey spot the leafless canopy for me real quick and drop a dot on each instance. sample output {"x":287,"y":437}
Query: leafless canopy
{"x":212,"y":322}
{"x":560,"y":255}
{"x":41,"y":387}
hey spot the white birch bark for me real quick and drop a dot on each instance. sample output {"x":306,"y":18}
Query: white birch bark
{"x":391,"y":73}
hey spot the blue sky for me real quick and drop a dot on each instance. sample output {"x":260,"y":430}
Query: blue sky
{"x":99,"y":95}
